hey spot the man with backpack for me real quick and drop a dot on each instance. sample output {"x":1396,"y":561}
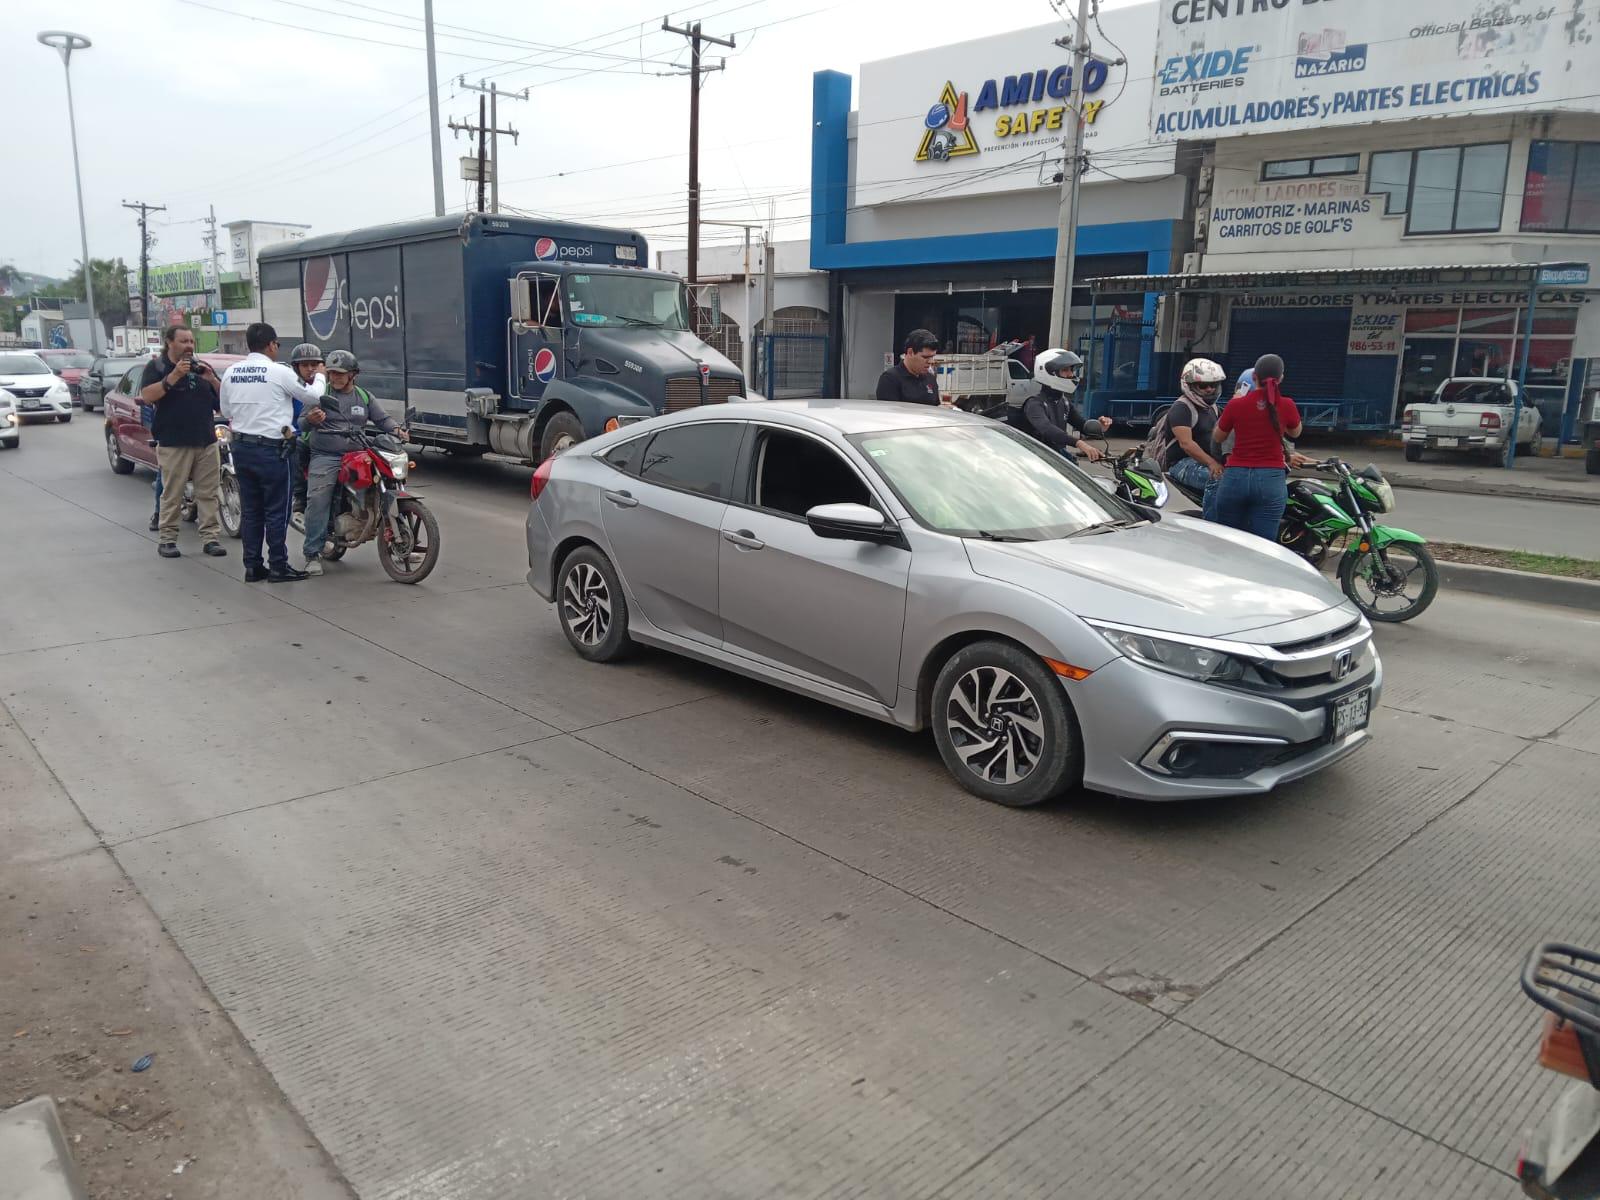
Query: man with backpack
{"x":1180,"y":440}
{"x":335,"y":421}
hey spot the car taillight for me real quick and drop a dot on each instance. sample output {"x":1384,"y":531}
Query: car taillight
{"x":541,"y":477}
{"x":1409,"y":417}
{"x":1489,"y":421}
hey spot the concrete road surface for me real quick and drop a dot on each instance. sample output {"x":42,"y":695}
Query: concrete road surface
{"x":502,"y":923}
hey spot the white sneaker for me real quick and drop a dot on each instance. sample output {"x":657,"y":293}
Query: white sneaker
{"x":313,"y":566}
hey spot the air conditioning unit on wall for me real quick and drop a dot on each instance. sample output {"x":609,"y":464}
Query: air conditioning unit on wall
{"x":1191,"y":263}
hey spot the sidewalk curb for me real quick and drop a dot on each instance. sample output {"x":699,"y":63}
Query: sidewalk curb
{"x":35,"y":1163}
{"x":1469,"y":487}
{"x":1526,"y":586}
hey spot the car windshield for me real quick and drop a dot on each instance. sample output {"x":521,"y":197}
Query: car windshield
{"x":619,"y":298}
{"x":988,"y":481}
{"x":22,"y":364}
{"x":1474,"y":391}
{"x":68,"y":358}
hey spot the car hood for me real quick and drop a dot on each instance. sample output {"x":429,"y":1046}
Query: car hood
{"x":667,"y":351}
{"x":29,"y":381}
{"x":1175,"y":575}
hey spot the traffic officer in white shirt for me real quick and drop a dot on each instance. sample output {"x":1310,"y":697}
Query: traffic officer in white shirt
{"x":258,"y":398}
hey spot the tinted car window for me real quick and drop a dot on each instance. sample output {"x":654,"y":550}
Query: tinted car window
{"x":795,"y":473}
{"x":696,"y":458}
{"x":621,"y":457}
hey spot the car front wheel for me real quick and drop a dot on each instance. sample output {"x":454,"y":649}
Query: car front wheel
{"x":594,"y":614}
{"x":119,"y":464}
{"x":1003,"y":725}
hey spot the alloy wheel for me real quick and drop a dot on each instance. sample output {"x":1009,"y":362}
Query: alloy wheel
{"x":996,"y":725}
{"x":586,"y":604}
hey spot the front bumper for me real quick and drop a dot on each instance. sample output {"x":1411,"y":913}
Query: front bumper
{"x":1125,"y":710}
{"x":43,"y":406}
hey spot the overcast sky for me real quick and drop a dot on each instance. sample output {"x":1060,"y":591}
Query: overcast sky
{"x":288,"y":110}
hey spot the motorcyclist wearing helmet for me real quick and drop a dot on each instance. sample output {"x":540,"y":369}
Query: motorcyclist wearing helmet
{"x":334,"y":422}
{"x":1052,"y":416}
{"x":306,"y":359}
{"x":1190,"y":422}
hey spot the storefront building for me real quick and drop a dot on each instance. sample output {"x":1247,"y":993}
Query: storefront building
{"x":1436,"y":148}
{"x":934,"y":201}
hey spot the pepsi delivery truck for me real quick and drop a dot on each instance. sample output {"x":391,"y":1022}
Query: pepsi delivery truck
{"x":500,"y":334}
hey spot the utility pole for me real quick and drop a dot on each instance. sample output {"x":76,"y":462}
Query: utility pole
{"x":494,"y":132}
{"x":481,"y":131}
{"x":1071,"y":180}
{"x":746,"y":362}
{"x":433,"y":110}
{"x":210,"y":240}
{"x":696,"y":37}
{"x":145,"y":241}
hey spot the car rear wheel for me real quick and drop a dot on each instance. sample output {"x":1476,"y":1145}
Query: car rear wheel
{"x":1003,"y":725}
{"x":594,"y":614}
{"x":1413,"y":453}
{"x":122,"y":466}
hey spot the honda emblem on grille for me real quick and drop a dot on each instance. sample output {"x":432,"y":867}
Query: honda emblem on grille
{"x":1342,"y":662}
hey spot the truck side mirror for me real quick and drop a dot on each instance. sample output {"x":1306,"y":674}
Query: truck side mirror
{"x":522,"y":301}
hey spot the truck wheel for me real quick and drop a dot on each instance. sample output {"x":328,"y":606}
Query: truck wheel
{"x":1413,"y":453}
{"x":1591,"y":461}
{"x":562,"y":433}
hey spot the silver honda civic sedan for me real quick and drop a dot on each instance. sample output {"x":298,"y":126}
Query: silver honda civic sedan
{"x":931,"y":568}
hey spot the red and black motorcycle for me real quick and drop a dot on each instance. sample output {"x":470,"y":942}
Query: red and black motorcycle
{"x":371,"y":502}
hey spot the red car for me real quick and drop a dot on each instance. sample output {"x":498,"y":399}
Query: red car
{"x":70,"y":365}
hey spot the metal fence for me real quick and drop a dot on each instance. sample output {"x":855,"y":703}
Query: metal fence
{"x":794,"y":355}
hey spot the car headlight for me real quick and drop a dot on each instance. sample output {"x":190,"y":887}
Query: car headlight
{"x":1204,"y":663}
{"x":58,"y":391}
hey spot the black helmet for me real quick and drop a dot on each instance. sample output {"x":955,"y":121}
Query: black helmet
{"x":343,"y":360}
{"x":305,"y":352}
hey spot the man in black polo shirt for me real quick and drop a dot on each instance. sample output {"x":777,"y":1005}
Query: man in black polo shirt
{"x":911,"y":380}
{"x":184,"y":393}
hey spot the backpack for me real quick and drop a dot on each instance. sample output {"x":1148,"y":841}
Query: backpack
{"x":1159,"y":441}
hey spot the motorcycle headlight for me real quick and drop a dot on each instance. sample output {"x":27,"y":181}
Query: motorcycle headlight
{"x":1384,"y":491}
{"x":224,"y":434}
{"x":398,"y":463}
{"x":1179,"y":658}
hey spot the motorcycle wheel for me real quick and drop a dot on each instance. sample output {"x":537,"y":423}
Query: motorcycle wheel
{"x":1374,"y":577}
{"x":411,"y":563}
{"x":230,"y":507}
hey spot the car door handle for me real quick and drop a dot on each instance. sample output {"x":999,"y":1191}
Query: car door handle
{"x":622,"y":499}
{"x":743,"y":539}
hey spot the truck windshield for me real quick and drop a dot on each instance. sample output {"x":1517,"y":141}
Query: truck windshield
{"x":625,"y":299}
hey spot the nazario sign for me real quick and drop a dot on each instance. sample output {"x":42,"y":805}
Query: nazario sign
{"x":1231,"y":67}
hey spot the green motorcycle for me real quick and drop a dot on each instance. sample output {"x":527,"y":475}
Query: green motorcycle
{"x":1387,"y":572}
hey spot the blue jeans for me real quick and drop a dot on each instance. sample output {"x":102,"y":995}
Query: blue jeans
{"x":263,"y":503}
{"x":321,"y":479}
{"x":1253,"y":499}
{"x":1191,"y":474}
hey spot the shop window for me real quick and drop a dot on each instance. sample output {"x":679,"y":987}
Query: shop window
{"x":1443,"y":189}
{"x":1555,"y":320}
{"x":1561,"y":191}
{"x":1481,"y":321}
{"x":1308,"y":168}
{"x":1483,"y":356}
{"x":1432,"y":320}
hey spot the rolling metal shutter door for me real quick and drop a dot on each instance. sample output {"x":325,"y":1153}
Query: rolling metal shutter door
{"x":1311,"y":343}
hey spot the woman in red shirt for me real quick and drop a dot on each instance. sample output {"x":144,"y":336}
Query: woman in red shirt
{"x":1254,"y":485}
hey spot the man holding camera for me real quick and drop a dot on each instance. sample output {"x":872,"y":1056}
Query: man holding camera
{"x":184,"y":393}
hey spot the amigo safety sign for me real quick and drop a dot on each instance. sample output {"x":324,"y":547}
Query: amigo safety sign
{"x":1230,"y":67}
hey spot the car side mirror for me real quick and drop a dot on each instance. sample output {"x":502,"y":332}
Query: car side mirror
{"x":852,"y":523}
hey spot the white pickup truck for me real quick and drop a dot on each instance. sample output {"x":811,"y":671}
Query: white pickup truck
{"x":1469,"y":412}
{"x":985,"y":383}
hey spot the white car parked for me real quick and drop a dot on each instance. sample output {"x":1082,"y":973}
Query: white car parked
{"x":34,"y":387}
{"x":10,"y":423}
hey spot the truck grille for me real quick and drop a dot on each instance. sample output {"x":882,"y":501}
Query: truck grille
{"x":683,"y":392}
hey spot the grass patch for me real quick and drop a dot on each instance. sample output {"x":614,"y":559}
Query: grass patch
{"x":1518,"y":560}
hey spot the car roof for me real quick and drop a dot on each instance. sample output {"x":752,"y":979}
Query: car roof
{"x":848,"y":417}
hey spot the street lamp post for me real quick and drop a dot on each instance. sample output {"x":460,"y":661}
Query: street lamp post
{"x":64,"y":43}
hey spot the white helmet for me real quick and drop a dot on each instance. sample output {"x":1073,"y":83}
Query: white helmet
{"x":1202,"y":380}
{"x":1059,"y":369}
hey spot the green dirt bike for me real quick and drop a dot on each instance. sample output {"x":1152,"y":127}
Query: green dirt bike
{"x":1387,"y":572}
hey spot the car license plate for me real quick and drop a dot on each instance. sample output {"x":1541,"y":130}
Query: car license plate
{"x":1350,"y":713}
{"x":1449,"y":443}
